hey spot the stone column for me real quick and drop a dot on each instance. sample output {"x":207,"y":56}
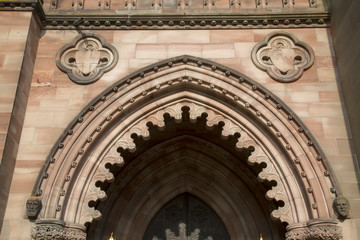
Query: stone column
{"x":54,"y":229}
{"x":315,"y":229}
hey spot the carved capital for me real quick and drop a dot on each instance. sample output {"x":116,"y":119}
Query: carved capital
{"x":283,"y":56}
{"x":54,"y":229}
{"x":86,"y":58}
{"x":316,"y":229}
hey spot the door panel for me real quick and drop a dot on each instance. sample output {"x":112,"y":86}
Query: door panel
{"x":186,"y":217}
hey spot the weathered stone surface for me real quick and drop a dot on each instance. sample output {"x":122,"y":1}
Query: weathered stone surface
{"x":54,"y":101}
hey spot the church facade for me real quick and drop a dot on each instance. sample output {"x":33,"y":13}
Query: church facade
{"x":188,"y":119}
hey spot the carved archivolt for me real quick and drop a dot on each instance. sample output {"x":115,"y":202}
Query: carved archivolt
{"x":213,"y":118}
{"x":81,"y":157}
{"x":283,"y":56}
{"x":86,"y":58}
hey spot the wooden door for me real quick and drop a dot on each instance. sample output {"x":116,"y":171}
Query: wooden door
{"x":186,"y":217}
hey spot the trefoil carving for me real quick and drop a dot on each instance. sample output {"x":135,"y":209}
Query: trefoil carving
{"x":86,"y":58}
{"x":283,"y":56}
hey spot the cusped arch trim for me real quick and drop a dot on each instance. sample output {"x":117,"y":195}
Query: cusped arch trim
{"x":305,"y":182}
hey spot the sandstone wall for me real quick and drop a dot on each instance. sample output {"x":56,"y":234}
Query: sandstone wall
{"x":54,"y":100}
{"x":19,"y":33}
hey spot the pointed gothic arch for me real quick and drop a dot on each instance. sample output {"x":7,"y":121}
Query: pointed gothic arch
{"x":279,"y":142}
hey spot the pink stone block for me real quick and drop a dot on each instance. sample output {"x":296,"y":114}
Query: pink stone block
{"x":125,"y":50}
{"x":231,"y":36}
{"x":243,"y":49}
{"x":15,"y":18}
{"x":18,"y":33}
{"x":151,"y":51}
{"x":135,"y":37}
{"x":12,"y":47}
{"x":219,"y":51}
{"x":46,"y":135}
{"x":305,"y":96}
{"x":43,"y":77}
{"x":325,"y":109}
{"x":44,"y":64}
{"x":4,"y":32}
{"x":327,"y":96}
{"x":327,"y":74}
{"x":13,"y":62}
{"x":181,"y":49}
{"x":178,"y":36}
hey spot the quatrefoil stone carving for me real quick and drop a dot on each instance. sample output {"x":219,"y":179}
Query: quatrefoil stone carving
{"x":86,"y":58}
{"x":282,"y":56}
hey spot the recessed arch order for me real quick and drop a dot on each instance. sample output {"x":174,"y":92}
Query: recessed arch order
{"x":279,"y":141}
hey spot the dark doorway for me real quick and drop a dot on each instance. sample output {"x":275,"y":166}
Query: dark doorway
{"x":186,"y":217}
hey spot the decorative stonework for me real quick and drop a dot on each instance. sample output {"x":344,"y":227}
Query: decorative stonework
{"x":86,"y":58}
{"x":177,"y":77}
{"x":341,"y":207}
{"x":283,"y":56}
{"x":230,"y":128}
{"x":33,"y":207}
{"x":116,"y":22}
{"x":55,"y":16}
{"x":182,"y":234}
{"x":53,"y":229}
{"x":319,"y":229}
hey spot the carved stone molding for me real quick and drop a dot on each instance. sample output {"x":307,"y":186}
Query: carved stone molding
{"x":53,"y":16}
{"x":33,"y":207}
{"x":215,"y":21}
{"x":54,"y":229}
{"x":258,"y":156}
{"x":283,"y":56}
{"x":315,"y":229}
{"x":341,"y":207}
{"x":86,"y":58}
{"x":176,"y":76}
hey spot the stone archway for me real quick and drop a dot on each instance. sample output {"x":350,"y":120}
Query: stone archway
{"x":279,"y":142}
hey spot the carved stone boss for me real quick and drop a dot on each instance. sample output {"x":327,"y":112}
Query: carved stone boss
{"x":283,"y":56}
{"x":86,"y":58}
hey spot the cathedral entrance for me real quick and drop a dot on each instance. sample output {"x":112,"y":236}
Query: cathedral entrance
{"x":192,"y":131}
{"x":186,"y":180}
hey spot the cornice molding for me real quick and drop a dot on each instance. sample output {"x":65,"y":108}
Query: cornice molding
{"x":134,"y":20}
{"x":199,"y":21}
{"x":23,"y":5}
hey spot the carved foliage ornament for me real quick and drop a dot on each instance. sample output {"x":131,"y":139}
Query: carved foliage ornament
{"x":54,"y":229}
{"x":86,"y":58}
{"x":283,"y":56}
{"x":320,"y":229}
